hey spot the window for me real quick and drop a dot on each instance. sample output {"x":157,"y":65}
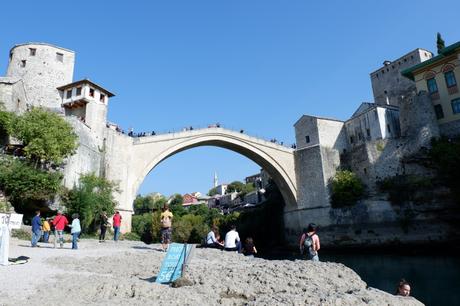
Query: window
{"x":438,"y":111}
{"x":60,"y":57}
{"x":450,"y":79}
{"x":368,"y":132}
{"x":456,"y":106}
{"x":78,"y":91}
{"x":307,"y":139}
{"x":91,"y":92}
{"x":352,"y":139}
{"x":23,"y":63}
{"x":432,"y":87}
{"x":69,"y":94}
{"x":32,"y":51}
{"x":102,"y":98}
{"x":389,"y":129}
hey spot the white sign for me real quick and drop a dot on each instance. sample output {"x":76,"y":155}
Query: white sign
{"x":12,"y":220}
{"x":7,"y":222}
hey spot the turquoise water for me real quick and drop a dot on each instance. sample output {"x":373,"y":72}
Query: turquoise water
{"x":435,"y":279}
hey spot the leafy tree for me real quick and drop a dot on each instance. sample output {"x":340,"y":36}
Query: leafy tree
{"x":148,"y":203}
{"x":347,"y":188}
{"x":93,"y":196}
{"x":440,"y":42}
{"x":240,"y":187}
{"x":45,"y":136}
{"x":235,"y":186}
{"x":212,"y":191}
{"x":21,"y":182}
{"x":175,"y":205}
{"x":6,"y":119}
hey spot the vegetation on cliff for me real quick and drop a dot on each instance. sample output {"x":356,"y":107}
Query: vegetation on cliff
{"x":30,"y":174}
{"x":346,"y":189}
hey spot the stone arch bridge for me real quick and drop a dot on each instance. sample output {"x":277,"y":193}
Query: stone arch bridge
{"x":129,"y":160}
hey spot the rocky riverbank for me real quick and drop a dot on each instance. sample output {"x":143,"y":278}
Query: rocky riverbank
{"x":124,"y":273}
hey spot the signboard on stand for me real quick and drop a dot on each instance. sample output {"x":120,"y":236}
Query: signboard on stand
{"x":173,"y":264}
{"x":7,"y":223}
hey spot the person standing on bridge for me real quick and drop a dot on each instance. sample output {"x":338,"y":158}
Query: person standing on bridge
{"x":116,"y":225}
{"x":166,"y":227}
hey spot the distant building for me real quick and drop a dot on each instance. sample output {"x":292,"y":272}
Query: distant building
{"x":438,"y":77}
{"x":387,"y":83}
{"x":221,"y":189}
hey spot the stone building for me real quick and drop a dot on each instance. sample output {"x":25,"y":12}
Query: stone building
{"x":387,"y":83}
{"x":438,"y":77}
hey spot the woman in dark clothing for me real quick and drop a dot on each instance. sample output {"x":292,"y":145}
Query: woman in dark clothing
{"x":249,"y":248}
{"x":104,"y":225}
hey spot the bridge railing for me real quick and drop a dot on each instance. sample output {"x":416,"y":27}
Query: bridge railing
{"x":201,"y":127}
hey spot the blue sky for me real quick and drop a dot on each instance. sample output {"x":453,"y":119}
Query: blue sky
{"x":255,"y":65}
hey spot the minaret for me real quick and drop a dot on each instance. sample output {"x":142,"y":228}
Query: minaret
{"x":215,"y":179}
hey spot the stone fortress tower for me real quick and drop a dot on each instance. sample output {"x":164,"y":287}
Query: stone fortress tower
{"x":42,"y":68}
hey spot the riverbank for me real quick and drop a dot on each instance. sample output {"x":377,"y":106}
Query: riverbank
{"x":124,"y":273}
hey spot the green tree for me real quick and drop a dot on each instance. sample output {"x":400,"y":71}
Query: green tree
{"x":22,"y":183}
{"x":235,"y":186}
{"x":46,"y":136}
{"x":347,"y":189}
{"x":6,"y":119}
{"x":89,"y":199}
{"x":175,"y":205}
{"x":212,"y":191}
{"x":440,"y":44}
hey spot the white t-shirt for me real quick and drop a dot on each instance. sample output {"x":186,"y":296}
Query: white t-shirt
{"x":231,"y":238}
{"x":211,"y":238}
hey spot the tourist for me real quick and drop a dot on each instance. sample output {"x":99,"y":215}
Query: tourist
{"x":75,"y":230}
{"x":104,"y":226}
{"x":309,"y":243}
{"x":46,"y":230}
{"x":36,"y":229}
{"x":403,"y":288}
{"x":59,"y":222}
{"x":249,"y":247}
{"x":212,"y":240}
{"x":116,"y":225}
{"x":166,"y":227}
{"x":232,"y":240}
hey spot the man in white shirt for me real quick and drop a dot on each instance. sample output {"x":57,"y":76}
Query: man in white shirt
{"x":232,"y":240}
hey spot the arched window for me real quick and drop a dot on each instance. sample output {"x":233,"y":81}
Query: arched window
{"x":449,"y":76}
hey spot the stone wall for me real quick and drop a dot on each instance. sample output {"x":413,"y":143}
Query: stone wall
{"x":450,"y":129}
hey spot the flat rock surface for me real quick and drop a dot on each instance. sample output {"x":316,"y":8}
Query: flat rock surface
{"x":124,"y":273}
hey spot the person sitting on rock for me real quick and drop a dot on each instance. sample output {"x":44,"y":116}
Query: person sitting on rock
{"x":212,"y":240}
{"x":403,"y":288}
{"x":232,"y":240}
{"x":249,"y":247}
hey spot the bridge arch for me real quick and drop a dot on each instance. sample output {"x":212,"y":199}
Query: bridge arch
{"x":148,"y":152}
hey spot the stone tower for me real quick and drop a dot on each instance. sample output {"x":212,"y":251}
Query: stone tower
{"x":42,"y":68}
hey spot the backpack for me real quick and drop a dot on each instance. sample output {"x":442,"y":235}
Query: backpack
{"x":308,"y":242}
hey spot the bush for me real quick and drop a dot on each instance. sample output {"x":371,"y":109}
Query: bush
{"x":189,"y":228}
{"x":347,"y":189}
{"x":21,"y":234}
{"x":93,"y":196}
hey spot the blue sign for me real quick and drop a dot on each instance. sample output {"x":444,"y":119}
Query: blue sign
{"x":171,"y":268}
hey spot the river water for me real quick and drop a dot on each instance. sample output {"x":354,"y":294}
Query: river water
{"x":434,"y":278}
